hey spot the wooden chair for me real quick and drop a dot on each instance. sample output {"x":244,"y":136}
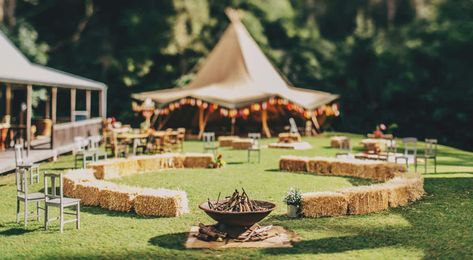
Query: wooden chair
{"x":117,"y":147}
{"x":256,"y":146}
{"x":209,"y":143}
{"x":410,"y":151}
{"x":81,"y":153}
{"x":23,"y":195}
{"x":140,"y":144}
{"x":430,"y":152}
{"x":23,"y":163}
{"x":52,"y":199}
{"x":94,"y":146}
{"x":181,"y":136}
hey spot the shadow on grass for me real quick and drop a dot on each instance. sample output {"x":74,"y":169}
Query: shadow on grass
{"x":438,"y":227}
{"x":14,"y":232}
{"x":170,"y":241}
{"x":234,"y":163}
{"x":110,"y":213}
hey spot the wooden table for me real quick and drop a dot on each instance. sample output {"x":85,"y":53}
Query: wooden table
{"x":376,"y":145}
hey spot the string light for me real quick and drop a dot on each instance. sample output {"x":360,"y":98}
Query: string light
{"x":327,"y":110}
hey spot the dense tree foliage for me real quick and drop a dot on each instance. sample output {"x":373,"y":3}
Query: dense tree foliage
{"x":407,"y":62}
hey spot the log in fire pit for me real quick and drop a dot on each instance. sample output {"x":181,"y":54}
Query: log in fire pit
{"x":235,"y":215}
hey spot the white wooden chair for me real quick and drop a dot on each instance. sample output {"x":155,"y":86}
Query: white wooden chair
{"x":430,"y":152}
{"x":23,"y":195}
{"x":410,"y":152}
{"x":94,"y":146}
{"x":81,"y":153}
{"x":256,"y":146}
{"x":52,"y":199}
{"x":22,"y":162}
{"x":209,"y":143}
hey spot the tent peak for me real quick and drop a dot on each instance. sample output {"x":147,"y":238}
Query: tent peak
{"x":233,"y":15}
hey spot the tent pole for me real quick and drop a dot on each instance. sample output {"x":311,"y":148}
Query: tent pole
{"x":8,"y":100}
{"x":201,"y":122}
{"x":316,"y":123}
{"x":232,"y":129}
{"x":264,"y":122}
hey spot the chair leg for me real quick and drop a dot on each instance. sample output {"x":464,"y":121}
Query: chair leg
{"x":61,"y":219}
{"x":37,"y":211}
{"x":415,"y":164}
{"x":78,"y":216}
{"x":435,"y":164}
{"x":25,"y":214}
{"x":248,"y":155}
{"x":46,"y":216}
{"x":425,"y":165}
{"x":17,"y":210}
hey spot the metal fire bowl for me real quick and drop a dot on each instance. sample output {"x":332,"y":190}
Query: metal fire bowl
{"x":241,"y":219}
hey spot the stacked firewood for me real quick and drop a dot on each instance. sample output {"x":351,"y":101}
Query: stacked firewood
{"x":252,"y":234}
{"x":238,"y":202}
{"x":210,"y":233}
{"x":255,"y":233}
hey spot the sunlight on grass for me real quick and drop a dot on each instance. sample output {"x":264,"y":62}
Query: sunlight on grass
{"x":436,"y":226}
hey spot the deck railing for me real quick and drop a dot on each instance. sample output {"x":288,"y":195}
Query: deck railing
{"x":64,"y":133}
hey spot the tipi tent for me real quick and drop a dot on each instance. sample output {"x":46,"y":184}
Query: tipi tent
{"x":237,"y":75}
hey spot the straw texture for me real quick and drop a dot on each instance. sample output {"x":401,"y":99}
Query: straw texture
{"x":324,"y":204}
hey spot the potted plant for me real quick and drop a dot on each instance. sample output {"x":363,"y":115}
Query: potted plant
{"x":293,"y":201}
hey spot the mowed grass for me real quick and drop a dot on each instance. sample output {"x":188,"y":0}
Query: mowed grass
{"x":439,"y":226}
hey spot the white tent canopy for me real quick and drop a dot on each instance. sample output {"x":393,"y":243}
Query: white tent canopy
{"x":16,"y":68}
{"x":237,"y":74}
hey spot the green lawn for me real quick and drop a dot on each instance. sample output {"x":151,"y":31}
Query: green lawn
{"x":439,"y":226}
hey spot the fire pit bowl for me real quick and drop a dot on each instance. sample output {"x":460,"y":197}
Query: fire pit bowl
{"x":241,"y":219}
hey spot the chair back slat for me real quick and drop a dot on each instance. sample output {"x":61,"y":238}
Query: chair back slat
{"x":53,"y":182}
{"x":410,"y":146}
{"x":21,"y":181}
{"x":431,"y":147}
{"x":19,"y":155}
{"x":256,"y":138}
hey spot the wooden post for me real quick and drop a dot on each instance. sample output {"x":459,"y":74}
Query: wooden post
{"x":73,"y":104}
{"x":53,"y":113}
{"x":53,"y":104}
{"x":316,"y":123}
{"x":29,"y":94}
{"x":264,"y":122}
{"x":103,"y":103}
{"x":88,"y":103}
{"x":8,"y":99}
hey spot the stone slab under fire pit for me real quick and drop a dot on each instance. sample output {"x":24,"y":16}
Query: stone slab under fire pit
{"x":284,"y":238}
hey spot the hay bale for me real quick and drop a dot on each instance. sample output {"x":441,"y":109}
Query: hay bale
{"x":226,"y":141}
{"x":242,"y":143}
{"x":118,"y":197}
{"x":161,"y":202}
{"x":197,"y":160}
{"x":366,"y":199}
{"x":320,"y":165}
{"x":414,"y":184}
{"x":323,"y":204}
{"x":114,"y":168}
{"x":88,"y":192}
{"x":293,"y":164}
{"x":340,"y":142}
{"x":289,"y":138}
{"x":398,"y":194}
{"x":150,"y":163}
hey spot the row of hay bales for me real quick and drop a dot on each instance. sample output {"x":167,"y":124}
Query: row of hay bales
{"x":400,"y":189}
{"x":116,"y":168}
{"x":83,"y":185}
{"x":366,"y":169}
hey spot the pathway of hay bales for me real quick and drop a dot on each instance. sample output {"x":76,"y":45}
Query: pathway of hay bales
{"x":438,"y":226}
